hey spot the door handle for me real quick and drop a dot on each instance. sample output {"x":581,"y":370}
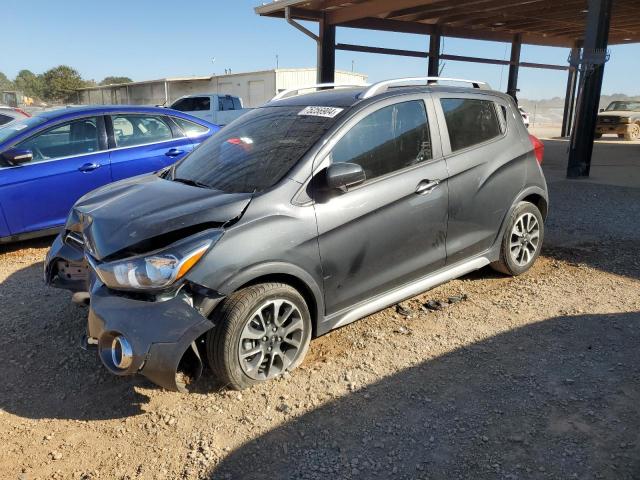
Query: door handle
{"x":89,"y":167}
{"x":174,"y":152}
{"x":426,"y":186}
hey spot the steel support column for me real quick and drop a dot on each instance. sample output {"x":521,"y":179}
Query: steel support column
{"x":326,"y":52}
{"x":596,"y":40}
{"x":434,"y":52}
{"x":570,"y":95}
{"x":514,"y":66}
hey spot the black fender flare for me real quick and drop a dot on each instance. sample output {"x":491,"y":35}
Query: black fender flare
{"x":531,"y":190}
{"x":274,"y":269}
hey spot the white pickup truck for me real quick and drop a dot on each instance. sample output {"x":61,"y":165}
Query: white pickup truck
{"x":214,"y":108}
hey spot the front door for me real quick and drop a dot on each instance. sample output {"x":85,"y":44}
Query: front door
{"x":69,"y":160}
{"x":391,"y":229}
{"x":144,"y":143}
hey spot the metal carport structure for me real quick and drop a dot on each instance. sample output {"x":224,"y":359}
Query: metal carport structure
{"x":587,"y":27}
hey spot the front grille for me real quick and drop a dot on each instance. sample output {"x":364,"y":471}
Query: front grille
{"x":609,"y":119}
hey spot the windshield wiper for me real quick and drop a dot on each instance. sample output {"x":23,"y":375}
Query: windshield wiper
{"x":193,"y":183}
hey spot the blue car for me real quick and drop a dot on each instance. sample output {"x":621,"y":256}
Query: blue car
{"x":49,"y":161}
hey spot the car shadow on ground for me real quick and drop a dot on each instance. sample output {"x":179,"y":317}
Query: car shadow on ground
{"x":44,"y":372}
{"x":556,"y":399}
{"x":42,"y":242}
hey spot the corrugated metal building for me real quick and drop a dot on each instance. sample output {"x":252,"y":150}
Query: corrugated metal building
{"x":255,"y":88}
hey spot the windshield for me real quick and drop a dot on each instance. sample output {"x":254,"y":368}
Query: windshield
{"x":14,"y":129}
{"x":624,"y":106}
{"x":257,"y":150}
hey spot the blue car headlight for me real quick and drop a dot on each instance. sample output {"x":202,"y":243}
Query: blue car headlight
{"x":159,"y":269}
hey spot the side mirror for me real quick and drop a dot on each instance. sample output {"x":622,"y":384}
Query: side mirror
{"x":344,"y":175}
{"x":18,"y":156}
{"x":601,"y":110}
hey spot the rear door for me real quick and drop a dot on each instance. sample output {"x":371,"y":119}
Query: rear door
{"x":143,"y":143}
{"x":391,"y":229}
{"x":487,"y":167}
{"x":69,"y":160}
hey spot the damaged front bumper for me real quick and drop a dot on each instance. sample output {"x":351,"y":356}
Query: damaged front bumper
{"x":161,"y":335}
{"x":155,"y":336}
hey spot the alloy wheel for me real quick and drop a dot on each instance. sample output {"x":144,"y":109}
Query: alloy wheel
{"x":525,"y":239}
{"x":271,"y":339}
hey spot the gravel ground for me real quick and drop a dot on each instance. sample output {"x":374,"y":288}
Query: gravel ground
{"x":508,"y":378}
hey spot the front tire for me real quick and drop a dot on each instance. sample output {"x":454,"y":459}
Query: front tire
{"x":522,"y":240}
{"x":260,"y":332}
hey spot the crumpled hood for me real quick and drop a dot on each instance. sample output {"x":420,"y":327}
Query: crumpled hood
{"x":125,"y":213}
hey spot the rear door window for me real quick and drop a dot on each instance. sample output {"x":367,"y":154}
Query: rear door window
{"x":390,"y":139}
{"x":133,"y":129}
{"x":470,"y":121}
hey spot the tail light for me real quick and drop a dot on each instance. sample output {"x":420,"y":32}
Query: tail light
{"x":19,"y":110}
{"x":538,"y":148}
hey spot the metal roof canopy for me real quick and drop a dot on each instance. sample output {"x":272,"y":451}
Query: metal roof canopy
{"x":585,"y":26}
{"x":539,"y":22}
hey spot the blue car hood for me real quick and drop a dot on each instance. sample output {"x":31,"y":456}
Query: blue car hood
{"x":127,"y":213}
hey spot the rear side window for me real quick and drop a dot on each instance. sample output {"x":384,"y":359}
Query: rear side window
{"x":190,"y":129}
{"x":5,"y":119}
{"x":387,"y":140}
{"x":131,"y":130}
{"x":470,"y":121}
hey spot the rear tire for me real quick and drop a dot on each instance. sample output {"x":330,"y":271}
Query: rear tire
{"x":260,"y":332}
{"x":521,"y":241}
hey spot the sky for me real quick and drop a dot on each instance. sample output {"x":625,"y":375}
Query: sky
{"x":145,"y":40}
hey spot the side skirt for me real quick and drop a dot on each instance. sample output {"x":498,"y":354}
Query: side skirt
{"x":49,"y":232}
{"x":394,"y":296}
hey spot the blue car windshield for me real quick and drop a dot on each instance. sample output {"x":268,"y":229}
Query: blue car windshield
{"x":16,"y":128}
{"x":257,"y":150}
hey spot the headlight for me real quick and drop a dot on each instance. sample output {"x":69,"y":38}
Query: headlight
{"x":157,"y":269}
{"x":624,"y":120}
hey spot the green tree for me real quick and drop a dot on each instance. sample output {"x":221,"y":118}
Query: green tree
{"x":5,"y":83}
{"x":114,"y":80}
{"x":60,"y":83}
{"x":29,"y":83}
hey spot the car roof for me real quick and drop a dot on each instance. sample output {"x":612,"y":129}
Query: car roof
{"x":71,"y":112}
{"x":100,"y":110}
{"x":347,"y":97}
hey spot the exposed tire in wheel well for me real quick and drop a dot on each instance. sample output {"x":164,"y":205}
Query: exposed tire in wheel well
{"x":538,"y":201}
{"x":296,"y":283}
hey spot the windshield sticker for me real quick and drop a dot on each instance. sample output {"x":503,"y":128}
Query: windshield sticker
{"x":328,"y":112}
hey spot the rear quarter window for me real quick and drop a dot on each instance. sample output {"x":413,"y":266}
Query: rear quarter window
{"x":470,"y":121}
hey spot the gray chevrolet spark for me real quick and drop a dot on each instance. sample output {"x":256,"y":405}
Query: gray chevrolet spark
{"x":300,"y":217}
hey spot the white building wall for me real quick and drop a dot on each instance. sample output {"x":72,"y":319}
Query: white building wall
{"x":299,"y":77}
{"x":255,"y":88}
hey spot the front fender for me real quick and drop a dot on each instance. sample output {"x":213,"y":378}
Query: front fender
{"x":265,"y":270}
